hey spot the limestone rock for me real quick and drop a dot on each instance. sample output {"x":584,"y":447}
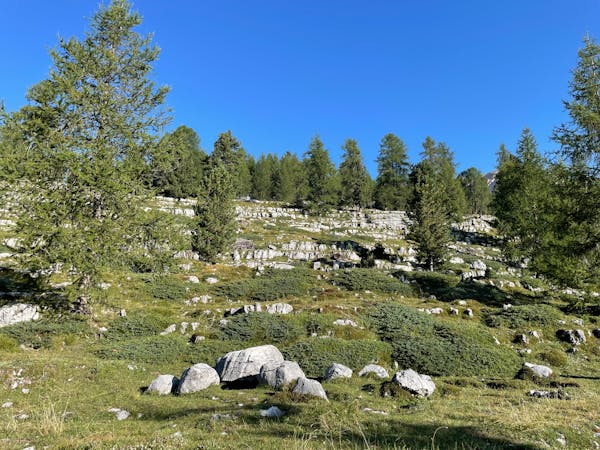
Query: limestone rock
{"x":574,"y":337}
{"x":378,"y":371}
{"x":415,"y":383}
{"x":537,"y":370}
{"x":279,"y":374}
{"x":245,"y":363}
{"x":197,"y":378}
{"x":163,"y":385}
{"x":280,"y":308}
{"x":20,"y":312}
{"x":311,"y":388}
{"x":273,"y":411}
{"x":337,"y":371}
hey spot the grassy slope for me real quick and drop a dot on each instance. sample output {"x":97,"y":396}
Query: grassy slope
{"x":71,"y":388}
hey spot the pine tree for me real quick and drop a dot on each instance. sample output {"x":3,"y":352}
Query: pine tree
{"x":392,"y":187}
{"x":322,"y":177}
{"x":215,"y":213}
{"x":431,"y":228}
{"x":476,"y":190}
{"x":229,"y":152}
{"x":354,"y":178}
{"x":263,"y":177}
{"x":179,"y":172}
{"x":89,"y":131}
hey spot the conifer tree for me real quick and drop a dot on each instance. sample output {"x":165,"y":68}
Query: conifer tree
{"x":322,"y":177}
{"x":229,"y":152}
{"x":476,"y":190}
{"x":354,"y":179}
{"x":90,"y":132}
{"x":263,"y":177}
{"x":392,"y":187}
{"x":290,"y":180}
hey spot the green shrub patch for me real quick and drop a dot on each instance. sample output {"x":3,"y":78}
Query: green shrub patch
{"x":273,"y":284}
{"x":261,"y":328}
{"x":521,"y":316}
{"x":40,"y":334}
{"x":429,"y":346}
{"x":371,"y":280}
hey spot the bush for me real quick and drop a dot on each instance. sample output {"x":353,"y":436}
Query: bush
{"x":166,"y":288}
{"x":151,"y":349}
{"x":261,"y":328}
{"x":40,"y":334}
{"x":315,"y":355}
{"x":271,"y":285}
{"x":425,"y":344}
{"x":371,"y":280}
{"x":553,"y":355}
{"x":521,"y":316}
{"x":136,"y":325}
{"x":210,"y":350}
{"x":8,"y":344}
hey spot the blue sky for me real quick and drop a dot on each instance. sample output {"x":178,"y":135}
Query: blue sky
{"x":469,"y":73}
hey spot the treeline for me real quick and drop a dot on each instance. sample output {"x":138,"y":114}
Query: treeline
{"x":314,"y":181}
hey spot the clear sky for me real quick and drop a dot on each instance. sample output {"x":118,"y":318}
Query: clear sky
{"x":469,"y":73}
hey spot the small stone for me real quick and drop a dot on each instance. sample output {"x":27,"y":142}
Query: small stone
{"x":25,"y":391}
{"x":273,"y":411}
{"x":468,"y":312}
{"x":345,"y":322}
{"x":7,"y":405}
{"x":462,"y":303}
{"x":378,"y":371}
{"x":436,"y":311}
{"x":211,"y":280}
{"x":453,"y":311}
{"x":193,"y":279}
{"x":507,"y":306}
{"x":195,"y":339}
{"x":122,"y":313}
{"x":170,"y":329}
{"x":22,"y":416}
{"x":538,"y":370}
{"x":337,"y":371}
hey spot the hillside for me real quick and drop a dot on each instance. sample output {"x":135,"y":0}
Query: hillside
{"x":340,"y":288}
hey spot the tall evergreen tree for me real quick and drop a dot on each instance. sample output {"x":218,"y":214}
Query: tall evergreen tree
{"x":290,"y":180}
{"x":263,"y":177}
{"x":354,"y":179}
{"x":392,"y":187}
{"x":179,"y":172}
{"x":579,"y":235}
{"x":90,"y":132}
{"x":229,"y":152}
{"x":322,"y":177}
{"x":477,"y":192}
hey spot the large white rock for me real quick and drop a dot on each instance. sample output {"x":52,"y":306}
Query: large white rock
{"x":337,"y":371}
{"x":197,"y":378}
{"x":311,"y":388}
{"x":279,"y":374}
{"x":376,"y":370}
{"x":280,"y":308}
{"x":20,"y":312}
{"x":538,"y":370}
{"x":416,"y":384}
{"x":163,"y":385}
{"x":246,"y":363}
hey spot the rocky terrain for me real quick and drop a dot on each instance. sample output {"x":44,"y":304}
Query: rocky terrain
{"x":312,"y":332}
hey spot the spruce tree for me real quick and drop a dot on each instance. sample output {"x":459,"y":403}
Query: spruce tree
{"x":322,"y":177}
{"x":354,"y":178}
{"x":263,"y":177}
{"x":392,"y":187}
{"x":290,"y":180}
{"x":476,"y":190}
{"x":229,"y":152}
{"x":90,"y":132}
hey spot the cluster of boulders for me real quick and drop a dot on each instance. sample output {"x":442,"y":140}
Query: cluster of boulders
{"x":265,"y":365}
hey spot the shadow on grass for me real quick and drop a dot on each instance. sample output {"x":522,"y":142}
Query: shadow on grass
{"x":389,"y":433}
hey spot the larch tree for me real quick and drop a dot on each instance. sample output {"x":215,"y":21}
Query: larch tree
{"x":392,"y":187}
{"x":89,"y":133}
{"x":322,"y":177}
{"x":355,"y":181}
{"x":477,"y":192}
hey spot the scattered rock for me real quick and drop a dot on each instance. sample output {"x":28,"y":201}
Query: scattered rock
{"x":211,"y":280}
{"x":195,"y":339}
{"x":559,"y":394}
{"x":170,"y":329}
{"x":337,"y":371}
{"x":453,"y":311}
{"x":462,"y":303}
{"x":378,"y":371}
{"x":197,"y":378}
{"x":521,"y":339}
{"x":163,"y":385}
{"x":7,"y":405}
{"x":120,"y":414}
{"x":123,"y":313}
{"x":20,"y":312}
{"x":345,"y":323}
{"x":537,"y":370}
{"x":311,"y":388}
{"x":436,"y":311}
{"x":279,"y":374}
{"x":273,"y":411}
{"x":574,"y":337}
{"x":416,"y":384}
{"x":596,"y":332}
{"x":193,"y":279}
{"x":280,"y":308}
{"x":468,"y":312}
{"x":374,"y":411}
{"x":246,"y":363}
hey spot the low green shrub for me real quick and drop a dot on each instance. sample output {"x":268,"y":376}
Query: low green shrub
{"x":210,"y":350}
{"x":150,"y":349}
{"x":429,"y":346}
{"x":40,"y":334}
{"x":552,"y":354}
{"x":8,"y":344}
{"x":521,"y":316}
{"x":166,"y":287}
{"x":261,"y":328}
{"x":136,"y":325}
{"x":273,"y":284}
{"x":315,"y":355}
{"x":371,"y":280}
